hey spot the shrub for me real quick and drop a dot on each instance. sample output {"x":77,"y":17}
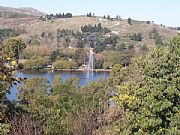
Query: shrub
{"x":62,"y":64}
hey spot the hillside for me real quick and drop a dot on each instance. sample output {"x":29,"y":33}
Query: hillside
{"x":113,"y":41}
{"x":122,"y":29}
{"x":23,"y":12}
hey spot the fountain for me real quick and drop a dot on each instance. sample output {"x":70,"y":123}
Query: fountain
{"x":90,"y":65}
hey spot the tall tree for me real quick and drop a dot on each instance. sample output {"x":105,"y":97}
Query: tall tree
{"x":151,"y":105}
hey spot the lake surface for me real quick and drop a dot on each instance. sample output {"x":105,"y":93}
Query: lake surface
{"x":64,"y":74}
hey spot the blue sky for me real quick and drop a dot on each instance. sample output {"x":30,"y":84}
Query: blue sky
{"x":160,"y":11}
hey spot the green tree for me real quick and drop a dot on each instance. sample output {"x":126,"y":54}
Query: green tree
{"x":137,"y":37}
{"x":36,"y":62}
{"x":15,"y":46}
{"x":57,"y":81}
{"x":151,"y":105}
{"x":62,"y":64}
{"x":7,"y":78}
{"x":158,"y":39}
{"x":118,"y":74}
{"x":53,"y":106}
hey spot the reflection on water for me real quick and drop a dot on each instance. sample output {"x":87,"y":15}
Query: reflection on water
{"x":50,"y":75}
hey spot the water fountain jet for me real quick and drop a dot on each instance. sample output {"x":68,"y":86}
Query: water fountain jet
{"x":90,"y":65}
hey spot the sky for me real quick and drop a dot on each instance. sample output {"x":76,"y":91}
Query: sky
{"x":166,"y":12}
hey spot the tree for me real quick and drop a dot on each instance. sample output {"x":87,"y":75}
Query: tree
{"x":108,"y":17}
{"x":7,"y":78}
{"x":158,"y":39}
{"x":137,"y":37}
{"x":57,"y":81}
{"x":80,"y":56}
{"x":148,"y":22}
{"x":151,"y":103}
{"x":62,"y":64}
{"x":43,"y":34}
{"x":15,"y":46}
{"x":89,"y":14}
{"x":36,"y":62}
{"x":118,"y":74}
{"x":129,"y":21}
{"x":118,"y":18}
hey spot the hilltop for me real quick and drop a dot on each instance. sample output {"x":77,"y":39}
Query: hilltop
{"x":23,"y":12}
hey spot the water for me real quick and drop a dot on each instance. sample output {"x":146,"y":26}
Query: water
{"x":90,"y":65}
{"x":64,"y":74}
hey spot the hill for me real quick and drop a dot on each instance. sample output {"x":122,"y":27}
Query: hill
{"x":34,"y":26}
{"x":23,"y":12}
{"x":123,"y":38}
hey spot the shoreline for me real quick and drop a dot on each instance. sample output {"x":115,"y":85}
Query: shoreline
{"x":69,"y":70}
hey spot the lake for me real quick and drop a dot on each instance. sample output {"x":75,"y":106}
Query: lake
{"x":50,"y":75}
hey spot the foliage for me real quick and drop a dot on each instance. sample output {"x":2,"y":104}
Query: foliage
{"x":64,"y":36}
{"x":34,"y":41}
{"x":116,"y":57}
{"x":15,"y":46}
{"x":7,"y":71}
{"x":61,"y":64}
{"x":7,"y":33}
{"x":51,"y":16}
{"x":151,"y":104}
{"x":89,"y":14}
{"x":158,"y":39}
{"x":99,"y":47}
{"x":107,"y":65}
{"x":61,"y":108}
{"x":40,"y":50}
{"x":51,"y":108}
{"x":57,"y":81}
{"x":118,"y":74}
{"x":80,"y":57}
{"x":36,"y":62}
{"x":136,"y":37}
{"x":58,"y":54}
{"x":91,"y":29}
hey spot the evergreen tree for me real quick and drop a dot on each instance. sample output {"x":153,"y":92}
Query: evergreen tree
{"x":108,"y":17}
{"x":129,"y":21}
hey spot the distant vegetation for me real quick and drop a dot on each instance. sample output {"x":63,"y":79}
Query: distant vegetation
{"x":7,"y":32}
{"x":52,"y":16}
{"x":92,"y":29}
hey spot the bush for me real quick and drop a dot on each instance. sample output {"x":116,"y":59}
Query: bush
{"x":136,"y":37}
{"x":36,"y":63}
{"x":34,"y":41}
{"x":62,"y":64}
